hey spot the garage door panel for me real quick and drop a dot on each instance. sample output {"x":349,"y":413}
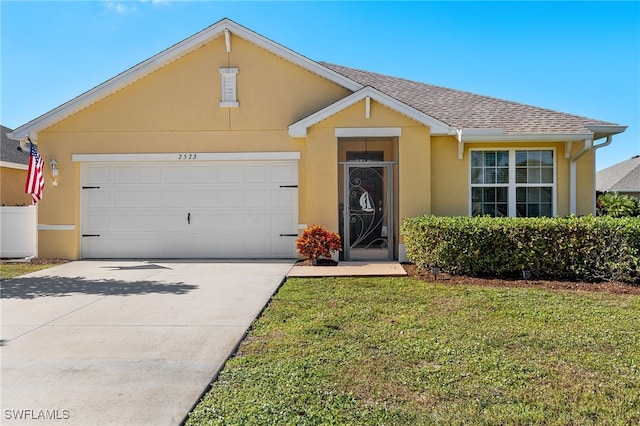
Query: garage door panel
{"x":98,"y":175}
{"x":284,"y":173}
{"x":255,"y":174}
{"x":124,"y":222}
{"x":124,"y":198}
{"x":229,"y":174}
{"x":97,"y":199}
{"x":124,"y":175}
{"x":210,"y":209}
{"x":231,"y":198}
{"x":177,"y":175}
{"x":98,"y":223}
{"x":149,"y":174}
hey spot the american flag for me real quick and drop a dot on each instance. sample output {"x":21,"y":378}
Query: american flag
{"x":35,"y":175}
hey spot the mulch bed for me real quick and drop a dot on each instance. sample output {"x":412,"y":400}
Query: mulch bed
{"x":604,"y":286}
{"x":425,"y":275}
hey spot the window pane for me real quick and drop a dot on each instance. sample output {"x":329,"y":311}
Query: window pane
{"x":489,"y":175}
{"x":546,"y":175}
{"x":476,"y":159}
{"x":490,"y":159}
{"x":533,"y":195}
{"x":546,"y":158}
{"x":489,"y":195}
{"x":545,"y":210}
{"x":533,"y":159}
{"x":503,"y":158}
{"x":533,"y":175}
{"x":476,"y":175}
{"x":502,"y":210}
{"x":502,"y":195}
{"x":521,"y":158}
{"x":521,"y":175}
{"x":476,"y":195}
{"x":534,"y":201}
{"x":503,"y":175}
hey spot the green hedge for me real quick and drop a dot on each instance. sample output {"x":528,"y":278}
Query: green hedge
{"x":575,"y":248}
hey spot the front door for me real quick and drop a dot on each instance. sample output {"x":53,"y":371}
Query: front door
{"x":368,"y":211}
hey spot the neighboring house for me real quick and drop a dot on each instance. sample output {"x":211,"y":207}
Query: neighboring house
{"x":623,"y":178}
{"x":13,"y":172}
{"x":227,"y":144}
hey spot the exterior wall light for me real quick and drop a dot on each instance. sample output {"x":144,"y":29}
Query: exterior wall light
{"x":54,"y":166}
{"x":54,"y":170}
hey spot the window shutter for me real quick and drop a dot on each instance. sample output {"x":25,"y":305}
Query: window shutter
{"x":229,"y":89}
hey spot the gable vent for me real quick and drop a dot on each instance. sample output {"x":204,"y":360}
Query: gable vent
{"x":229,"y":89}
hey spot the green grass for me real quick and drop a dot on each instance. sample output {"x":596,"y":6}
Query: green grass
{"x":12,"y":270}
{"x":399,"y":351}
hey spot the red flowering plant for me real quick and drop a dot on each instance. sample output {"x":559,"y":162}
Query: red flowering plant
{"x":316,"y":242}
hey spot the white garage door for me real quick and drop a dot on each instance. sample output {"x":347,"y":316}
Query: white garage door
{"x":221,"y":209}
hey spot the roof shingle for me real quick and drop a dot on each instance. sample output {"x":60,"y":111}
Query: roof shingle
{"x":621,"y":177}
{"x":468,"y":110}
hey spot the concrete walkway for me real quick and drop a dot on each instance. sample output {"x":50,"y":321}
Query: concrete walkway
{"x":349,"y":269}
{"x":123,"y":342}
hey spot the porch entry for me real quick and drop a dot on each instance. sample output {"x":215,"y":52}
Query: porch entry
{"x":367,"y":216}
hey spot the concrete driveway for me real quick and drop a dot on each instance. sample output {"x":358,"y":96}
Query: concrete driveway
{"x":123,"y":342}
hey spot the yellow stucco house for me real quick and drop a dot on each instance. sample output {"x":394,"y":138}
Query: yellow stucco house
{"x":228,"y":144}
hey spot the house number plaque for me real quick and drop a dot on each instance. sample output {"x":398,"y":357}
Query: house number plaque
{"x":187,"y":156}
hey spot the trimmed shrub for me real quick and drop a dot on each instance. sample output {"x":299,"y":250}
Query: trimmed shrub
{"x":316,"y":242}
{"x":575,"y":248}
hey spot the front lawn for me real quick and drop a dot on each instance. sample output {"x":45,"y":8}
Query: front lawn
{"x":400,"y":351}
{"x":11,"y":270}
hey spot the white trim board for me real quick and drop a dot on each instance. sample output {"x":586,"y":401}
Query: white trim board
{"x":299,"y":128}
{"x":187,"y":157}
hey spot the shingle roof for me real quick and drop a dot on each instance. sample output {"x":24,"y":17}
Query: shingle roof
{"x":9,"y":149}
{"x":468,"y":110}
{"x":621,"y":177}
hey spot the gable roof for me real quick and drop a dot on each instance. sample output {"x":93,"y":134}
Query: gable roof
{"x":299,"y":129}
{"x":469,"y":116}
{"x":9,"y":154}
{"x":465,"y":110}
{"x":175,"y":52}
{"x":621,"y":177}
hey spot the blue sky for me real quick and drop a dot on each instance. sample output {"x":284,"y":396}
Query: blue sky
{"x":576,"y":57}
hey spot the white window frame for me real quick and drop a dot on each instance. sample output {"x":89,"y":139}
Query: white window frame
{"x":229,"y":90}
{"x":512,"y":185}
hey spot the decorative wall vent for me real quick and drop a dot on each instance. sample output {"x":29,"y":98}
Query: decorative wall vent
{"x":229,"y":89}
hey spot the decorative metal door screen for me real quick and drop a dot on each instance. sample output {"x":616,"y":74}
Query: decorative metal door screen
{"x":368,"y":211}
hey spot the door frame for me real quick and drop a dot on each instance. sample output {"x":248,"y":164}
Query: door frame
{"x":389,"y":208}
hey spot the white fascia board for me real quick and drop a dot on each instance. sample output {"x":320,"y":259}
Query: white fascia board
{"x":368,"y":132}
{"x":524,"y":137}
{"x":187,"y":157}
{"x":167,"y":56}
{"x":16,"y":166}
{"x":299,"y":129}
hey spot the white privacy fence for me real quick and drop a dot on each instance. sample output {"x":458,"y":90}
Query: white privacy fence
{"x":18,"y":231}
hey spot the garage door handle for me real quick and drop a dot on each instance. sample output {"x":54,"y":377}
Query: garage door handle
{"x":288,"y":235}
{"x":188,"y":218}
{"x":288,"y":186}
{"x":90,"y":235}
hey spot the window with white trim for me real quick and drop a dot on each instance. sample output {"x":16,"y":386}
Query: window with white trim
{"x":512,"y":183}
{"x":229,"y":89}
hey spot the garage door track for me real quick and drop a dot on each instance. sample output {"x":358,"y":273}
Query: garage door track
{"x":124,"y":342}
